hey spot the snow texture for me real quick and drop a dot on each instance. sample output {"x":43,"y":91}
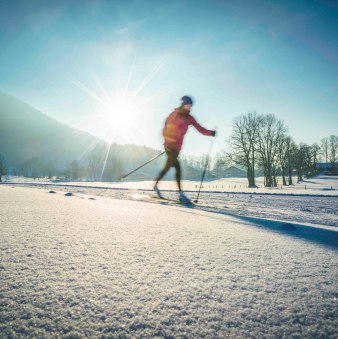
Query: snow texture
{"x":75,"y":267}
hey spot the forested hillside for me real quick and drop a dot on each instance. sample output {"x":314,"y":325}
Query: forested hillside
{"x":36,"y":145}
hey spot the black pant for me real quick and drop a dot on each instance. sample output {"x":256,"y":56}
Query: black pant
{"x":172,"y":161}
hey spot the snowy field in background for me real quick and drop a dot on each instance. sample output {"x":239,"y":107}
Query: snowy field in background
{"x":89,"y":266}
{"x":321,"y":185}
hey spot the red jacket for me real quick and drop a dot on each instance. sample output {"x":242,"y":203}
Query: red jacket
{"x":176,"y":126}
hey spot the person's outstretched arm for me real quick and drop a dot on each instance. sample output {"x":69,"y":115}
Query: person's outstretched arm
{"x":201,"y":129}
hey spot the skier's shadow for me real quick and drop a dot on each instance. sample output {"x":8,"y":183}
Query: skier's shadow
{"x":319,"y":235}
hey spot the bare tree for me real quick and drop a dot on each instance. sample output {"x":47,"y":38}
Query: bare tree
{"x":309,"y":156}
{"x":270,"y":132}
{"x":291,"y":150}
{"x":333,"y":150}
{"x":301,"y":160}
{"x":282,"y":154}
{"x":243,"y":143}
{"x":314,"y":153}
{"x":324,"y":145}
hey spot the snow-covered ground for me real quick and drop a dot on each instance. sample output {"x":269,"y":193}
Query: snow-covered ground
{"x":86,"y":265}
{"x":318,"y":204}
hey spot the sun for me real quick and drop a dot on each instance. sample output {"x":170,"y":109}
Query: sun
{"x":117,"y":120}
{"x":120,"y":114}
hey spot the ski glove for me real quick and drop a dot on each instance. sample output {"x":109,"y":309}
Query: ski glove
{"x":213,"y":133}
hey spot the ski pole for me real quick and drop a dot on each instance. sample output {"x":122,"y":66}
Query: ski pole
{"x":205,"y":169}
{"x":153,"y":158}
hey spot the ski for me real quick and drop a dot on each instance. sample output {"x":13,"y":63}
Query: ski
{"x":174,"y":201}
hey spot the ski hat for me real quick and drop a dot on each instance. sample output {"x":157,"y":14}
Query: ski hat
{"x":186,"y":100}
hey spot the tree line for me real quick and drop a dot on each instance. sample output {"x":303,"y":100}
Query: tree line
{"x":101,"y":162}
{"x":104,"y":162}
{"x":262,"y":141}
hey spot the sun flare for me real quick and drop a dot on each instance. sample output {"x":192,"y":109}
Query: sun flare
{"x":120,"y":116}
{"x":116,"y":120}
{"x":117,"y":116}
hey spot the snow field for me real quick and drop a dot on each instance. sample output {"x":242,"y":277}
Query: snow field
{"x":320,"y":185}
{"x":302,"y":208}
{"x":74,"y":267}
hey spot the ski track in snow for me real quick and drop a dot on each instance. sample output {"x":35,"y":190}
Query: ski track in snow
{"x":72,"y":267}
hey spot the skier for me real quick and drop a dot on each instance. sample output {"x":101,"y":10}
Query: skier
{"x":176,"y":126}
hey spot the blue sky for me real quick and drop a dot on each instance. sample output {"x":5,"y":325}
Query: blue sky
{"x":69,"y":58}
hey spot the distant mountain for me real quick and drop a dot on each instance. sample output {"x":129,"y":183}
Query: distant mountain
{"x":36,"y":145}
{"x":27,"y":133}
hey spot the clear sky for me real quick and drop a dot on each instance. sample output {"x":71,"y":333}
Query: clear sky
{"x":118,"y":68}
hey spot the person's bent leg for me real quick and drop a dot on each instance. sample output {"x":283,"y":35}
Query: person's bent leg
{"x":169,"y":163}
{"x":178,"y":173}
{"x":160,"y":176}
{"x":164,"y":171}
